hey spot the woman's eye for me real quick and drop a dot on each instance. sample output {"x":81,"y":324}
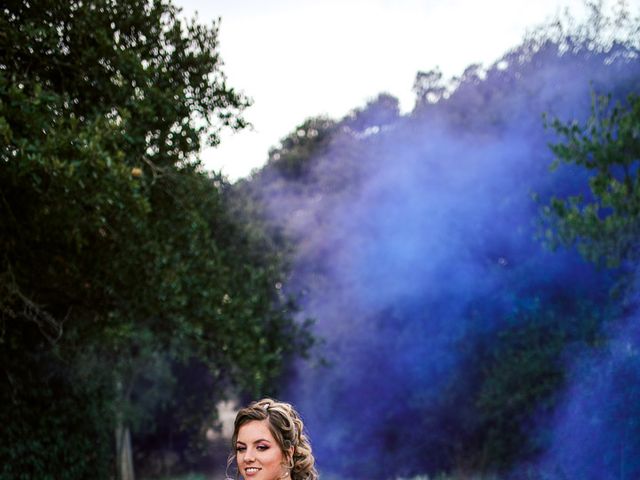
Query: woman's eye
{"x":240,"y":449}
{"x":262,"y":448}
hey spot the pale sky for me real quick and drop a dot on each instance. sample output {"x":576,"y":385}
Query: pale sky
{"x":298,"y":59}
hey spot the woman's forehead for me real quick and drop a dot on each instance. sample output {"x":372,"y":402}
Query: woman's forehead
{"x":255,"y":430}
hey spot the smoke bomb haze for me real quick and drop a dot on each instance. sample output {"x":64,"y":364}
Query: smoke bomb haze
{"x":450,"y":332}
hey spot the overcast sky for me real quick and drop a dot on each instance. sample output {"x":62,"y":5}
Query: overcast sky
{"x":298,"y":59}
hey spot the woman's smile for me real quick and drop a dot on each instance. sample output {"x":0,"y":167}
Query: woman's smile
{"x":258,"y":454}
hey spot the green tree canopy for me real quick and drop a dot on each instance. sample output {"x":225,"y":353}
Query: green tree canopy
{"x":603,"y":221}
{"x":120,"y":256}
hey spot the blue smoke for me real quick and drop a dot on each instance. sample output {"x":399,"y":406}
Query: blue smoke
{"x":417,"y":246}
{"x":596,"y":434}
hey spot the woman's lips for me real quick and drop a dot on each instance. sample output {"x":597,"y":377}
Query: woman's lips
{"x":250,"y":471}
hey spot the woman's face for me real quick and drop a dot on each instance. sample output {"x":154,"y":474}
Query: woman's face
{"x":258,"y":454}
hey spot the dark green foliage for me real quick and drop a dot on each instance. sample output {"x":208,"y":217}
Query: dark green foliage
{"x":604,"y":222}
{"x":522,"y":373}
{"x":293,"y":158}
{"x":120,"y":259}
{"x":52,"y":428}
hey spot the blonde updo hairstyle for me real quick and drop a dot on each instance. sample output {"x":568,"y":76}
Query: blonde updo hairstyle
{"x":287,"y":429}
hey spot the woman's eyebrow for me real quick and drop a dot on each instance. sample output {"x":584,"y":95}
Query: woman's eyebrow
{"x":255,"y":441}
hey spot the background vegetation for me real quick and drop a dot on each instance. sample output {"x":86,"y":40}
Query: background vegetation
{"x":477,"y":309}
{"x":130,"y":295}
{"x":447,"y":265}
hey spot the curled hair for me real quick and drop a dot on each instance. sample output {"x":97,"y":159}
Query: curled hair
{"x":287,"y":429}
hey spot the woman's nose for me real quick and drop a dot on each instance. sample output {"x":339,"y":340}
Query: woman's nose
{"x":249,"y":456}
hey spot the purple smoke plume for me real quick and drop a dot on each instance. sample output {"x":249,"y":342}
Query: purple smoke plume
{"x":416,"y":247}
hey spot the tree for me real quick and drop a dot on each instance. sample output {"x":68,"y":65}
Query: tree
{"x":429,"y":87}
{"x":311,"y":138}
{"x":603,"y":221}
{"x":120,"y":257}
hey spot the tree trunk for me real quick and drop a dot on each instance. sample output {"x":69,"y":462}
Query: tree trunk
{"x":124,"y":458}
